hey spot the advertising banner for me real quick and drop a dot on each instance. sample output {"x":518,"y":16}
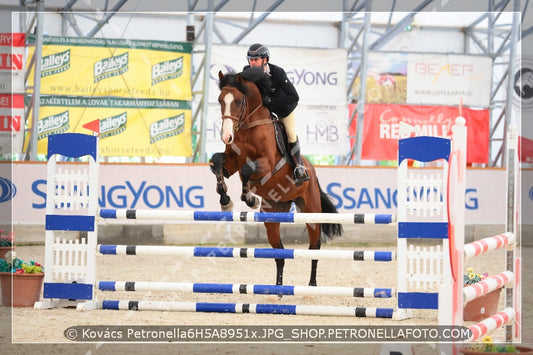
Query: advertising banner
{"x":12,"y":67}
{"x":319,"y":130}
{"x":11,"y":123}
{"x":128,"y":127}
{"x":319,"y":76}
{"x":192,"y":187}
{"x":446,"y":79}
{"x":382,"y":128}
{"x":386,"y":81}
{"x":77,"y":66}
{"x":427,"y":79}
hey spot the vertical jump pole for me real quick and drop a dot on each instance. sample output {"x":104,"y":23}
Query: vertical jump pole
{"x":92,"y":237}
{"x":512,"y":258}
{"x":451,"y":289}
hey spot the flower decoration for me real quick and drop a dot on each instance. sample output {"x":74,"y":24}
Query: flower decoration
{"x":6,"y":239}
{"x":472,"y":277}
{"x":17,"y":266}
{"x":487,"y":346}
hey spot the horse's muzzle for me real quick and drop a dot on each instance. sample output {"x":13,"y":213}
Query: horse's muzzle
{"x":226,"y":132}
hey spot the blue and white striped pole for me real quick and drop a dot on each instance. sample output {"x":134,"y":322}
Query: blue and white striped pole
{"x":257,"y":253}
{"x":283,"y":290}
{"x":249,"y":308}
{"x":297,"y":218}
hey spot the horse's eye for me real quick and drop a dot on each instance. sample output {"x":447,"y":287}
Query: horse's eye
{"x":238,"y":102}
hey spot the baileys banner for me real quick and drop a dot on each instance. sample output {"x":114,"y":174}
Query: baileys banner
{"x":115,"y":67}
{"x":128,"y":127}
{"x":139,"y":90}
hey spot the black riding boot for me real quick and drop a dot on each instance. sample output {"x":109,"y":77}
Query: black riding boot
{"x":300,"y":172}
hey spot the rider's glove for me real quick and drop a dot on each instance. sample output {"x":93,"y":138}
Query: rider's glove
{"x":267,"y":100}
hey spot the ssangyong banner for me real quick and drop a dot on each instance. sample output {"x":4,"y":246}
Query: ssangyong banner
{"x":382,"y":128}
{"x":11,"y":123}
{"x":319,"y":76}
{"x":192,"y":187}
{"x":77,"y":66}
{"x":128,"y":127}
{"x":448,"y":79}
{"x":12,"y":66}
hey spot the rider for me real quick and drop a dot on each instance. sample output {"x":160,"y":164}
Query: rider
{"x":282,"y":101}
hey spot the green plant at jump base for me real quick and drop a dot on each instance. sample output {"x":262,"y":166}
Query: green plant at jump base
{"x":15,"y":265}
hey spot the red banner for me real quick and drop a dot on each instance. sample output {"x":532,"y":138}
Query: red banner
{"x":382,"y":128}
{"x":525,"y":147}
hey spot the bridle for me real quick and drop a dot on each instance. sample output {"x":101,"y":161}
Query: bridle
{"x":242,"y":122}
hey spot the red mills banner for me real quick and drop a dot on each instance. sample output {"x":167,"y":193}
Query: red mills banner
{"x":12,"y":63}
{"x":382,"y":127}
{"x":11,"y":123}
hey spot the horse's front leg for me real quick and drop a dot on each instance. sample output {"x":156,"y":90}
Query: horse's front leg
{"x":247,"y":170}
{"x":217,"y":167}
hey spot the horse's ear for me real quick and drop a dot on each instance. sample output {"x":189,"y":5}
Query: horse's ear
{"x":239,"y":78}
{"x":220,"y":75}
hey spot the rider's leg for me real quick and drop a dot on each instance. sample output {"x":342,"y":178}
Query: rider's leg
{"x":300,"y":172}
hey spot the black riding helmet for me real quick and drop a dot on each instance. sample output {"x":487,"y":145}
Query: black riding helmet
{"x":257,"y":50}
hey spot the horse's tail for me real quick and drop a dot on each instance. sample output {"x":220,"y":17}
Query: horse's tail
{"x":329,"y":230}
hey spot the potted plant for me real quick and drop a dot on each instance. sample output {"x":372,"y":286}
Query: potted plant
{"x":6,"y":242}
{"x":484,"y":306}
{"x":21,"y":281}
{"x":487,"y":346}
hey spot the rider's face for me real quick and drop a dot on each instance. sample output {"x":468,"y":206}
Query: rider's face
{"x":257,"y":62}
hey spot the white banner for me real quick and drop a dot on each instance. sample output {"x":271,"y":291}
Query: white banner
{"x":192,"y":187}
{"x":445,"y":79}
{"x":12,"y":66}
{"x":319,"y":76}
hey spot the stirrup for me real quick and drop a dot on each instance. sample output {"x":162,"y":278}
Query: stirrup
{"x":300,"y":175}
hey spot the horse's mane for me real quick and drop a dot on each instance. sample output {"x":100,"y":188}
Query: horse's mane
{"x":255,"y":75}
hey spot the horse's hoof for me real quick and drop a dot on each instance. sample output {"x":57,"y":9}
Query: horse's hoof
{"x":228,"y":207}
{"x":256,"y":203}
{"x":300,"y":175}
{"x":253,"y":202}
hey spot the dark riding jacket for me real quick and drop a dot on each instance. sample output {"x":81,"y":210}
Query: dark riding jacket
{"x":284,"y":97}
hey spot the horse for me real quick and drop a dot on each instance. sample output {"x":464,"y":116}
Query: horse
{"x":248,"y":130}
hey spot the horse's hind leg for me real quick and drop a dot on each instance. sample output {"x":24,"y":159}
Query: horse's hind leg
{"x":217,"y":166}
{"x":312,"y":205}
{"x":274,"y":239}
{"x":314,"y":243}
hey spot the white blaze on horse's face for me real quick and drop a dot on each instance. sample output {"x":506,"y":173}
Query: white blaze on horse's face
{"x":227,"y":123}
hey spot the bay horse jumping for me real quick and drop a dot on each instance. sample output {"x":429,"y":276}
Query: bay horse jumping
{"x":248,"y":130}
